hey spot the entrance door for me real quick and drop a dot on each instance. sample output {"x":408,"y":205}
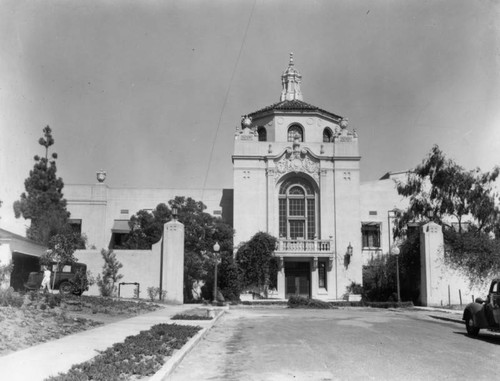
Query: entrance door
{"x":298,"y":279}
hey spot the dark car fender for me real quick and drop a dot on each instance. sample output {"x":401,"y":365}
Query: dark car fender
{"x":476,"y":310}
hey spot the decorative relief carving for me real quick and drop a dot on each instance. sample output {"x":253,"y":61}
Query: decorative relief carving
{"x":347,"y":176}
{"x":297,"y":161}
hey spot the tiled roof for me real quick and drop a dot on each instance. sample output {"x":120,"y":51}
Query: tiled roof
{"x":293,"y":105}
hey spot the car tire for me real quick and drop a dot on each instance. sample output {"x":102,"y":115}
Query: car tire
{"x":469,"y":326}
{"x":65,"y":288}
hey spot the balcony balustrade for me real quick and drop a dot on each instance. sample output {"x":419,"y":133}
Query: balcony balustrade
{"x":304,"y":246}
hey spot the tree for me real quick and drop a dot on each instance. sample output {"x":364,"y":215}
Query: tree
{"x":257,"y":263}
{"x":201,"y":231}
{"x":43,"y":201}
{"x":146,"y":227}
{"x":442,"y":191}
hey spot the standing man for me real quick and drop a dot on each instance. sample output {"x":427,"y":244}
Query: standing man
{"x":46,"y":279}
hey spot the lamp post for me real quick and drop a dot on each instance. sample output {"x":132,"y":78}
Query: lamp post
{"x":216,"y":257}
{"x":394,"y":213}
{"x":395,"y":251}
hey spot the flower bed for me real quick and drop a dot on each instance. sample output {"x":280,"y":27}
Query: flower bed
{"x":190,"y":317}
{"x":139,"y":356}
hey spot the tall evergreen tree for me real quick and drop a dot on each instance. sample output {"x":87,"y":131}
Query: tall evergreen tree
{"x":43,"y":201}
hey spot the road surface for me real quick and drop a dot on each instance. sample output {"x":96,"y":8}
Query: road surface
{"x":342,"y":344}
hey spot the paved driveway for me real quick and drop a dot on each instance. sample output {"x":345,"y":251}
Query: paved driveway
{"x":343,"y":344}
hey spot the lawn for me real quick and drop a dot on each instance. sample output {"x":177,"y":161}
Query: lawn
{"x":34,"y":318}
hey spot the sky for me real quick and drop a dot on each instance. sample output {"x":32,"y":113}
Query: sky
{"x":153,"y":91}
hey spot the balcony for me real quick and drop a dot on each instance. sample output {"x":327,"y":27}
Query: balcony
{"x":316,"y":247}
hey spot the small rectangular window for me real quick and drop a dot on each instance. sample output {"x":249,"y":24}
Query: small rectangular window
{"x":372,"y":213}
{"x":371,"y":235}
{"x":76,"y":225}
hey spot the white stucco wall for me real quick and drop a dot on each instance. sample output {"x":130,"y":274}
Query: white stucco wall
{"x":98,"y":206}
{"x":142,"y":266}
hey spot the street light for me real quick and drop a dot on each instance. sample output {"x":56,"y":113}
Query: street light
{"x":394,"y":213}
{"x":216,"y":256}
{"x":395,"y":251}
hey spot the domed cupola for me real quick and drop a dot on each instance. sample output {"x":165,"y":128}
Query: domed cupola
{"x":290,"y":82}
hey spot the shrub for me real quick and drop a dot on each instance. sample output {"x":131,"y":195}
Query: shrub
{"x":153,"y":292}
{"x":110,"y":275}
{"x":9,"y":297}
{"x":53,"y":300}
{"x":354,"y":288}
{"x":302,"y":302}
{"x":5,"y":271}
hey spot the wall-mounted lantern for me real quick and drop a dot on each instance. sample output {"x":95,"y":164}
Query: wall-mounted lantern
{"x":347,"y":256}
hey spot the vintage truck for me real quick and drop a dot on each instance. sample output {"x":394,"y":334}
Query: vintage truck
{"x":69,"y":279}
{"x":484,"y":314}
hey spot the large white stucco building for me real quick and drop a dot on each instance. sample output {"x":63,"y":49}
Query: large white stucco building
{"x":296,"y":174}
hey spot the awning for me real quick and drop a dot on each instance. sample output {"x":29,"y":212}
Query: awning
{"x":120,"y":227}
{"x":371,"y":223}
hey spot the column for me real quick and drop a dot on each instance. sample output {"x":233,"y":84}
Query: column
{"x":314,"y":278}
{"x":281,"y":279}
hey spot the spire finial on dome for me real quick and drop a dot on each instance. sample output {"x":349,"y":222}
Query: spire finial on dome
{"x":290,"y":82}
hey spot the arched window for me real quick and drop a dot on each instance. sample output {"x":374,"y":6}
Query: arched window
{"x":293,"y":131}
{"x":262,"y":134}
{"x":327,"y":135}
{"x":297,"y":209}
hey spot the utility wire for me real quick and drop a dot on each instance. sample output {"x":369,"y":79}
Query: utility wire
{"x":225,"y":99}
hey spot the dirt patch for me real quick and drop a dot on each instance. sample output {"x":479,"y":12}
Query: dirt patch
{"x":36,"y":322}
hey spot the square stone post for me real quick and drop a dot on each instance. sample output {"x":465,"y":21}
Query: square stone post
{"x":173,"y":262}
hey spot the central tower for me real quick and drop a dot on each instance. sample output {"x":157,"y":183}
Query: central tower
{"x":296,"y":177}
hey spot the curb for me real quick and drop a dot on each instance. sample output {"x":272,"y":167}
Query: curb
{"x":454,"y":320}
{"x":178,"y":356}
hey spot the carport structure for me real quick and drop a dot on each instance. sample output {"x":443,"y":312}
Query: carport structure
{"x":23,"y":253}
